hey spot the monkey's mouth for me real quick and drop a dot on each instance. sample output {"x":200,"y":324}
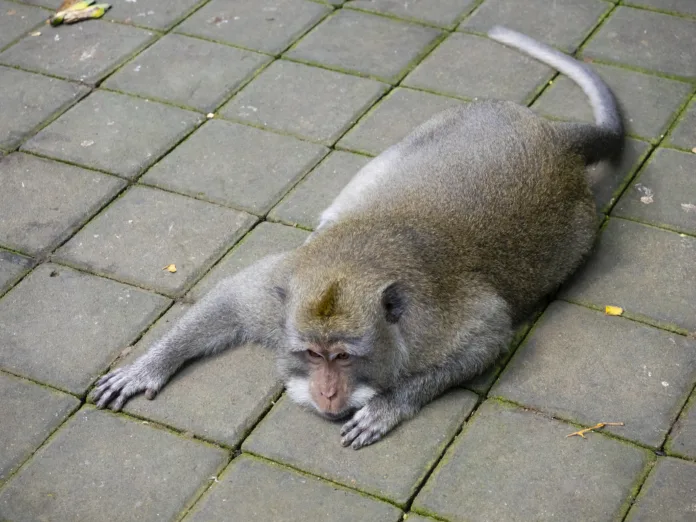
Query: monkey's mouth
{"x":335,"y":416}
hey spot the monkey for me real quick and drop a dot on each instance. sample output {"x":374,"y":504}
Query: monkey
{"x":419,"y":270}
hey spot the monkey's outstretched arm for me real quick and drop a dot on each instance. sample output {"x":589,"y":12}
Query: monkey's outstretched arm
{"x":240,"y":309}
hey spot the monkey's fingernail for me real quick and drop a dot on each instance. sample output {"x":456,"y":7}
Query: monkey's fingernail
{"x":150,"y":394}
{"x":344,"y":442}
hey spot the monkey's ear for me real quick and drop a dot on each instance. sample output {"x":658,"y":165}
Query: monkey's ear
{"x":393,"y":302}
{"x":280,"y":293}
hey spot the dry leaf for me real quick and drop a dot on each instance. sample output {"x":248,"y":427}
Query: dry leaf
{"x":170,"y":268}
{"x":36,"y":33}
{"x":613,"y":310}
{"x":11,"y":12}
{"x":693,"y":150}
{"x":66,"y":4}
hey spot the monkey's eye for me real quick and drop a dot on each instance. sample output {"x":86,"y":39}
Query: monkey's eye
{"x":343,"y":356}
{"x":313,"y":355}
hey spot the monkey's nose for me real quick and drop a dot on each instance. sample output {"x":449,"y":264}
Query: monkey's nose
{"x":329,"y":393}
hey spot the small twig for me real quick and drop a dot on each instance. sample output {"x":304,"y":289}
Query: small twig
{"x":581,"y":433}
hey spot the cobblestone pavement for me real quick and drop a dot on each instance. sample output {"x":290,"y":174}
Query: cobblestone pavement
{"x":209,"y":133}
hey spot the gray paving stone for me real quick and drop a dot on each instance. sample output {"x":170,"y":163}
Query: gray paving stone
{"x":256,"y":490}
{"x":682,"y":438}
{"x":649,"y":102}
{"x":148,"y":229}
{"x":444,"y":13}
{"x":391,"y":468}
{"x":17,"y":19}
{"x":561,"y":23}
{"x":83,"y":52}
{"x":448,"y":70}
{"x":236,"y":165}
{"x":646,"y":271}
{"x":366,"y":44}
{"x":43,"y":202}
{"x":664,"y":192}
{"x":584,"y":366}
{"x":401,"y":111}
{"x":187,"y":71}
{"x":414,"y":517}
{"x":28,"y":100}
{"x":100,"y":466}
{"x":673,"y":6}
{"x":264,"y":25}
{"x":29,"y":414}
{"x":684,"y":133}
{"x":647,"y":40}
{"x":307,"y":101}
{"x":44,"y":3}
{"x":304,"y":205}
{"x":12,"y":267}
{"x":156,"y":14}
{"x":63,"y":327}
{"x":114,"y":132}
{"x":668,"y":493}
{"x":515,"y":465}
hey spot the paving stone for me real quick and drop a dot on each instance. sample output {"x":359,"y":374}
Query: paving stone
{"x":114,"y":132}
{"x":80,"y":334}
{"x":673,"y":6}
{"x":264,"y":25}
{"x":445,"y":13}
{"x":304,"y":205}
{"x":12,"y":267}
{"x":365,"y":44}
{"x":236,"y":165}
{"x":587,"y":367}
{"x":17,"y":19}
{"x":43,"y":202}
{"x":84,"y":52}
{"x":148,"y":229}
{"x":187,"y":71}
{"x":256,"y":490}
{"x":682,"y":438}
{"x":646,"y":40}
{"x":414,"y":517}
{"x":100,"y":464}
{"x":392,"y":468}
{"x":646,"y":271}
{"x":307,"y":101}
{"x":29,"y":414}
{"x":516,"y":465}
{"x":664,"y":192}
{"x":28,"y":100}
{"x":649,"y":102}
{"x":448,"y":70}
{"x":393,"y":118}
{"x":684,"y":134}
{"x":668,"y":493}
{"x":561,"y":23}
{"x":44,"y":3}
{"x":157,"y":14}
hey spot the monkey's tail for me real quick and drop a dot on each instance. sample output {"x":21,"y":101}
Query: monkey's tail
{"x":604,"y":139}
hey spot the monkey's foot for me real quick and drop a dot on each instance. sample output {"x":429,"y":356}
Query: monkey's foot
{"x":369,"y":424}
{"x":581,"y":433}
{"x":116,"y":387}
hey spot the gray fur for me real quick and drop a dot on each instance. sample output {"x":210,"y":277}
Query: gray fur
{"x":439,"y":247}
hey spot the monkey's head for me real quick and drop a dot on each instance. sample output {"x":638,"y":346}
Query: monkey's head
{"x":343,"y":341}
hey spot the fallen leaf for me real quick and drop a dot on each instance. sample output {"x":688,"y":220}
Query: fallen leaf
{"x":581,"y":433}
{"x":66,"y":4}
{"x":210,"y":115}
{"x":693,"y":150}
{"x":11,"y":12}
{"x":170,"y":268}
{"x":36,"y":33}
{"x":613,"y":310}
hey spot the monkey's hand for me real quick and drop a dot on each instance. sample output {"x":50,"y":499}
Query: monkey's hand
{"x":370,"y":423}
{"x":117,"y":386}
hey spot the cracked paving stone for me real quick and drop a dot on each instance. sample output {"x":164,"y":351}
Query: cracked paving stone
{"x":12,"y":267}
{"x":262,"y":25}
{"x":664,"y":192}
{"x":85,"y":52}
{"x":391,"y":468}
{"x":251,"y":489}
{"x":393,"y":118}
{"x":448,"y":70}
{"x":668,"y":493}
{"x":305,"y":203}
{"x":99,"y":464}
{"x":647,"y":40}
{"x":147,"y":229}
{"x":155,"y":14}
{"x":683,"y":135}
{"x":687,"y":7}
{"x":519,"y":466}
{"x":30,"y":99}
{"x":444,"y":13}
{"x":561,"y":23}
{"x":44,"y":202}
{"x":646,"y":271}
{"x":114,"y":132}
{"x":682,"y":438}
{"x":186,"y":71}
{"x":587,"y":367}
{"x":355,"y":41}
{"x":80,"y":335}
{"x":17,"y":19}
{"x":648,"y":102}
{"x":236,"y":165}
{"x":29,"y":414}
{"x":306,"y":101}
